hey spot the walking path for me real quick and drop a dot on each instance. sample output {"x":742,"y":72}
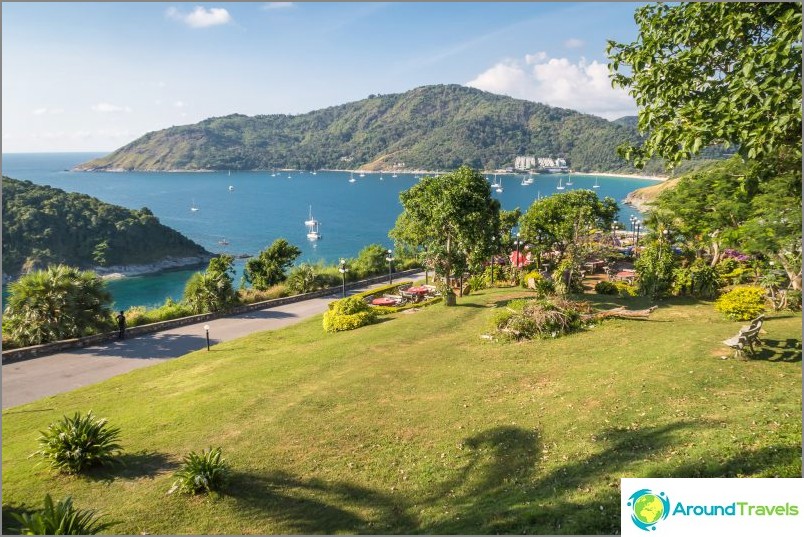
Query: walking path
{"x":33,"y":379}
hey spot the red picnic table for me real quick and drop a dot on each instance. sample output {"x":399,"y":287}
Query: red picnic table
{"x":626,"y":275}
{"x":382,"y":301}
{"x":421,"y":291}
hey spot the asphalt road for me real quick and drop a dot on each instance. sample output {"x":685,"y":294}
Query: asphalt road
{"x":29,"y":380}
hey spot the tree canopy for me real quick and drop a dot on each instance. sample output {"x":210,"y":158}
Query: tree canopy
{"x":269,"y":266}
{"x":563,"y":219}
{"x":60,"y":302}
{"x":755,"y":207}
{"x":706,"y":73}
{"x":452,"y":216}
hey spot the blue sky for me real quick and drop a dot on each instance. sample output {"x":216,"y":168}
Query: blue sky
{"x":95,"y":76}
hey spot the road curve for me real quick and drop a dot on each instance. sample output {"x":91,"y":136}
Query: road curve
{"x":29,"y":380}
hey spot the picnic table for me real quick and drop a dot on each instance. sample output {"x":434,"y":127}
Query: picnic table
{"x":383,"y":301}
{"x":594,"y":265}
{"x":421,"y":291}
{"x":625,"y":275}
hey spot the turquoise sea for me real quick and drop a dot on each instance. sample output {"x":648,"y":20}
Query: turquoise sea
{"x":262,"y":206}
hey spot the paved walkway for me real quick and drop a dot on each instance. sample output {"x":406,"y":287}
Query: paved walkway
{"x":33,"y":379}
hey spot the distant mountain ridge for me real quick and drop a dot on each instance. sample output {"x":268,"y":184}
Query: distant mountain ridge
{"x":430,"y":127}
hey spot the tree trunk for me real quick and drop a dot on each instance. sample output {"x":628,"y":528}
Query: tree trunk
{"x":795,"y":277}
{"x":621,"y":313}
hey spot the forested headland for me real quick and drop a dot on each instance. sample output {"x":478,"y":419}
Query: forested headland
{"x":44,"y":225}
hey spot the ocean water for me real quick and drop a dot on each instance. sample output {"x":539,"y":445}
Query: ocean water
{"x":262,"y":206}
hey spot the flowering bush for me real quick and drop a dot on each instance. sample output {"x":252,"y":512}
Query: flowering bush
{"x":742,"y":303}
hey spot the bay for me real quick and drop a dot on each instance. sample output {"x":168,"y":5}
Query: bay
{"x":264,"y":205}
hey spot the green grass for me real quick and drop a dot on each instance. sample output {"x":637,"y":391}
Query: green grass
{"x":418,"y":425}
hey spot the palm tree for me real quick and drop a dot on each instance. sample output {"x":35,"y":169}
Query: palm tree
{"x":60,"y":302}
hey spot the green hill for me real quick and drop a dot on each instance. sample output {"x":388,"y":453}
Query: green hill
{"x":417,"y":425}
{"x":44,"y":225}
{"x":431,"y":127}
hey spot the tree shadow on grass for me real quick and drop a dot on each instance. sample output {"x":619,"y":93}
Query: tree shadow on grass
{"x":317,"y":507}
{"x":10,"y":524}
{"x":504,"y":494}
{"x":777,"y":350}
{"x":500,"y":488}
{"x":132,"y":466}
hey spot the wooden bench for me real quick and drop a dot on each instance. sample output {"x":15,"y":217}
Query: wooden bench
{"x":748,"y":336}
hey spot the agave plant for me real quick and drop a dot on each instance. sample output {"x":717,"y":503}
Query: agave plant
{"x":201,"y":472}
{"x":74,"y":444}
{"x":61,"y":518}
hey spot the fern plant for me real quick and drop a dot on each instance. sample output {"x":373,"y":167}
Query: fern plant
{"x":74,"y":444}
{"x":201,"y":472}
{"x":60,"y":518}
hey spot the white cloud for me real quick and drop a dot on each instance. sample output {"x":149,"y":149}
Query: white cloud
{"x":106,"y":108}
{"x":574,"y":42}
{"x":581,"y":86}
{"x":201,"y":17}
{"x":44,"y":110}
{"x":276,"y":5}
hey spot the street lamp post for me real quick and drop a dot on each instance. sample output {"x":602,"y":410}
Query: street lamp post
{"x":206,"y":328}
{"x":390,"y":259}
{"x":343,"y":270}
{"x":638,"y":225}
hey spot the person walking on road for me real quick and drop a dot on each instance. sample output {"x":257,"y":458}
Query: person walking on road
{"x":121,"y":325}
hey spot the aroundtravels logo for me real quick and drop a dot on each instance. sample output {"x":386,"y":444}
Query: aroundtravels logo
{"x":648,"y":508}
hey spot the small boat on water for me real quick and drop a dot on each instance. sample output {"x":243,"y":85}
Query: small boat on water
{"x":231,"y":187}
{"x":595,"y":185}
{"x":193,"y":207}
{"x":560,"y":186}
{"x":497,"y":185}
{"x":312,"y":224}
{"x":362,"y":174}
{"x":223,"y":242}
{"x":352,"y":177}
{"x":569,"y":179}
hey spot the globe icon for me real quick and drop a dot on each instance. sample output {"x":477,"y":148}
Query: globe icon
{"x":648,"y":509}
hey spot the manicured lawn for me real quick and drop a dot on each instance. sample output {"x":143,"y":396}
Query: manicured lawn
{"x":418,"y":425}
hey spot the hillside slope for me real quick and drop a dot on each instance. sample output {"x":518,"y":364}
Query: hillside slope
{"x":431,"y":127}
{"x":44,"y":225}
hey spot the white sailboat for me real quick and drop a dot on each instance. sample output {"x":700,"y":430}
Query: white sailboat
{"x":560,"y":186}
{"x":352,"y":177}
{"x":362,"y":174}
{"x":497,"y":185}
{"x":193,"y":207}
{"x":569,"y":179}
{"x":595,"y":185}
{"x":231,"y":187}
{"x":312,"y":224}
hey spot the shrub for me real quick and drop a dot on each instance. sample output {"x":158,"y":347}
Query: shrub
{"x":699,"y":280}
{"x":625,"y":290}
{"x":138,"y":315}
{"x":60,"y":518}
{"x":250,"y":296}
{"x":303,"y":279}
{"x":567,"y":277}
{"x":347,"y":314}
{"x":742,"y":303}
{"x":75,"y":444}
{"x":201,"y":472}
{"x":606,"y":288}
{"x":528,"y":319}
{"x":654,"y":268}
{"x":535,"y":275}
{"x":794,"y":299}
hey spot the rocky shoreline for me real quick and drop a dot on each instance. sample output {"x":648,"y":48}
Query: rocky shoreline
{"x":169,"y":263}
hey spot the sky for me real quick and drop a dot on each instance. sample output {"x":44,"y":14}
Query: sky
{"x":95,"y":76}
